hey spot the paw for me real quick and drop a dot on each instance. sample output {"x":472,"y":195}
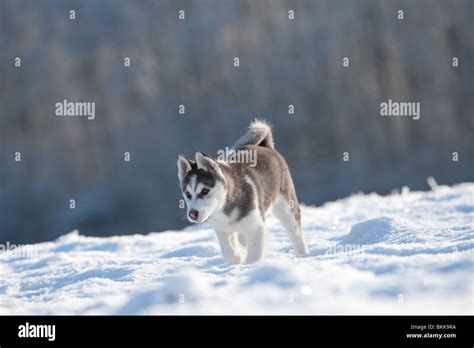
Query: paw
{"x":234,"y":259}
{"x":249,"y":260}
{"x":302,"y":250}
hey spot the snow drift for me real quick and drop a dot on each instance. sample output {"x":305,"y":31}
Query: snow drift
{"x":406,"y":253}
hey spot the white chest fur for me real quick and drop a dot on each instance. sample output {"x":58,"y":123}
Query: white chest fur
{"x":230,"y":223}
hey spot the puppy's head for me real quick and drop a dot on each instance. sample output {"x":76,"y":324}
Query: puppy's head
{"x":202,"y":185}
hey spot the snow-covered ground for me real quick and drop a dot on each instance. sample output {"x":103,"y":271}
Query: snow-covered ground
{"x":406,"y":253}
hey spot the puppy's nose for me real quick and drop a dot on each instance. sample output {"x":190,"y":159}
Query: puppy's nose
{"x":193,"y":214}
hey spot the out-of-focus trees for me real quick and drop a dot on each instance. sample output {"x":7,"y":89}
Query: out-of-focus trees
{"x":190,"y":62}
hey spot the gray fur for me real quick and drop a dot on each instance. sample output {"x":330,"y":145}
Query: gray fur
{"x":259,"y":134}
{"x":271,"y":177}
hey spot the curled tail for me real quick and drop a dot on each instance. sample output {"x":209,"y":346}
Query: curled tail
{"x":259,"y":134}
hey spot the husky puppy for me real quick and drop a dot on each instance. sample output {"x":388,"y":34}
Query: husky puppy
{"x":235,"y":196}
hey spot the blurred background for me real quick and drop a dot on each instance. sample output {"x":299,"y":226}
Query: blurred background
{"x":190,"y":62}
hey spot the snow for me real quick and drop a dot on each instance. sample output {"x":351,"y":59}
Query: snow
{"x":405,"y":253}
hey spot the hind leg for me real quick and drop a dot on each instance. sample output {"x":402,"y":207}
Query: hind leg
{"x":288,"y":212}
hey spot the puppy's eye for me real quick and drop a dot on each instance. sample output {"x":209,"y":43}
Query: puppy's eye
{"x":188,"y":194}
{"x":204,"y":191}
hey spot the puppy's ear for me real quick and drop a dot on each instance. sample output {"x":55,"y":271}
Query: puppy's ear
{"x":184,"y":166}
{"x":206,"y":162}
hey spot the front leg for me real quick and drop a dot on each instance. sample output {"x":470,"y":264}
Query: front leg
{"x":256,"y":243}
{"x":230,"y":247}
